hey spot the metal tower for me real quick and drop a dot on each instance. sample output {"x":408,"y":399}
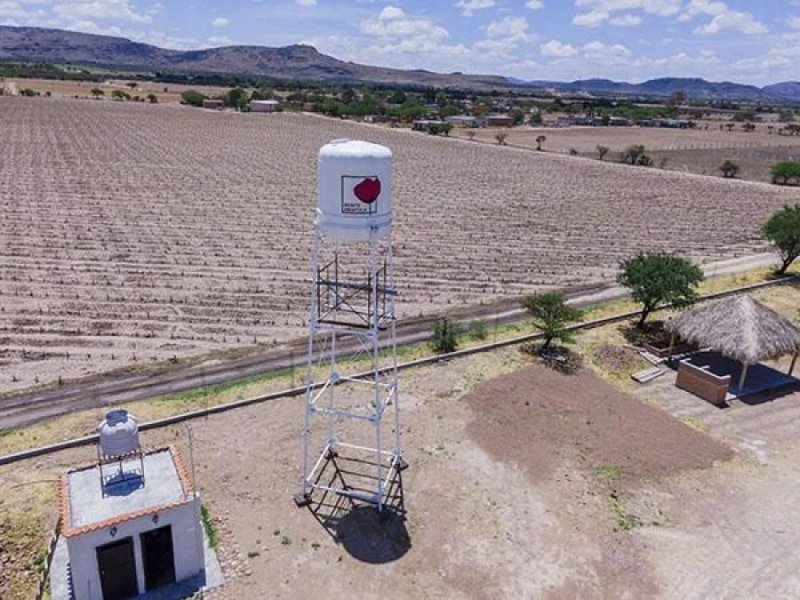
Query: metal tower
{"x":351,"y":403}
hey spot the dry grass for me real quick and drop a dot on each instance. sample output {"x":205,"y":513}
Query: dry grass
{"x":135,"y":234}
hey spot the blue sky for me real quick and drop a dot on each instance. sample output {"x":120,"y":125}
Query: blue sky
{"x":633,"y":40}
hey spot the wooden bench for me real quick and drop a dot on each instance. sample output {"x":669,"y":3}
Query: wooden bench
{"x":703,"y":383}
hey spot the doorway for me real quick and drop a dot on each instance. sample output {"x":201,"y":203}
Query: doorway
{"x":158,"y":557}
{"x":117,"y":570}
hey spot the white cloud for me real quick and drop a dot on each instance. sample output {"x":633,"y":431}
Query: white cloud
{"x":390,"y":13}
{"x":626,"y":21}
{"x":220,"y":40}
{"x":306,"y":2}
{"x":793,"y":22}
{"x":723,"y":18}
{"x":602,"y":52}
{"x":558,"y":49}
{"x":119,"y":10}
{"x":468,"y":7}
{"x":592,"y":18}
{"x":512,"y":27}
{"x":661,"y":8}
{"x":220,"y":22}
{"x":534,"y":4}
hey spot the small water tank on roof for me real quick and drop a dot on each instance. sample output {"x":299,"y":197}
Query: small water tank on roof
{"x":355,"y":190}
{"x":119,"y":434}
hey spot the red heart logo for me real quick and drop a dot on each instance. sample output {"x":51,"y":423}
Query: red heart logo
{"x":368,"y":190}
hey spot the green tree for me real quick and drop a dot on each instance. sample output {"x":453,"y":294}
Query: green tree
{"x":236,"y":98}
{"x":120,"y":95}
{"x":633,"y":153}
{"x":551,"y":314}
{"x":445,"y":336}
{"x":782,"y":229}
{"x":398,"y":97}
{"x":729,"y":169}
{"x":193,"y":98}
{"x":97,"y":92}
{"x":655,"y":278}
{"x":262,"y":94}
{"x":785,"y":171}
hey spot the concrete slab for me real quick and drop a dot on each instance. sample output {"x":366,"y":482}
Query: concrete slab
{"x":162,"y":485}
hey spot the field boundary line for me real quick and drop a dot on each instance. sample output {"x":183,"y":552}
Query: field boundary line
{"x":419,"y":362}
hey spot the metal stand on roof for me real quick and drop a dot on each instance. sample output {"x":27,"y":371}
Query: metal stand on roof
{"x":352,"y":330}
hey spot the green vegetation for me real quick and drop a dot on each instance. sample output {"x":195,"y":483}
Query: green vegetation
{"x":120,"y":95}
{"x":236,"y":98}
{"x":655,"y":278}
{"x":46,"y":71}
{"x":193,"y":98}
{"x":783,"y":173}
{"x":636,"y":154}
{"x":152,"y":98}
{"x":97,"y":92}
{"x":729,"y":169}
{"x":439,"y":129}
{"x":551,"y":314}
{"x":208,"y":525}
{"x":783,"y":231}
{"x":478,"y":330}
{"x":445,"y":337}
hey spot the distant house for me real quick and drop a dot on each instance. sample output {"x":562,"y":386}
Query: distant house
{"x":466,"y":121}
{"x":500,"y":121}
{"x":376,"y":119}
{"x":265,"y":106}
{"x":213,"y":103}
{"x":422,"y":124}
{"x":619,"y":122}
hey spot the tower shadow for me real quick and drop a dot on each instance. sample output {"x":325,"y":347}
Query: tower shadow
{"x":366,"y":533}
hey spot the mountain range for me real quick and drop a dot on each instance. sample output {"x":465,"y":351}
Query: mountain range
{"x":33,"y":44}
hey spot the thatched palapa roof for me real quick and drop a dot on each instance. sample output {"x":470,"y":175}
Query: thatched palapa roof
{"x":738,"y":327}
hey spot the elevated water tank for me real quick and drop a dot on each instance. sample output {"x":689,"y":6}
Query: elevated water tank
{"x":119,"y":434}
{"x":355,"y":190}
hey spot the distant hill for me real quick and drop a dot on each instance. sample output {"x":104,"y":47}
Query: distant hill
{"x":694,"y":88}
{"x":305,"y":62}
{"x":290,"y":62}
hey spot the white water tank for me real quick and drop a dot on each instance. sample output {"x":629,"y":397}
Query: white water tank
{"x":355,"y":190}
{"x":119,"y":434}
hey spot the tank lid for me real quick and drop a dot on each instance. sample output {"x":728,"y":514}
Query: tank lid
{"x":117,"y":416}
{"x":354,"y":149}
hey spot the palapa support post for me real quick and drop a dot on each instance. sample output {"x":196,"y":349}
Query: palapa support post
{"x":794,"y":362}
{"x":743,"y":376}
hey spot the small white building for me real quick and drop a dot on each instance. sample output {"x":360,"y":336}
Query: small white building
{"x":265,"y":106}
{"x":131,"y":528}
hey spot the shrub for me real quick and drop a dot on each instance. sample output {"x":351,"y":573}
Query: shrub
{"x":784,"y":172}
{"x":729,"y":169}
{"x":445,"y":337}
{"x":478,"y":330}
{"x":193,"y":98}
{"x":551,"y":315}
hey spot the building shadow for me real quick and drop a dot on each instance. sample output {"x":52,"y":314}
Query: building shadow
{"x":123,"y":483}
{"x":366,"y":533}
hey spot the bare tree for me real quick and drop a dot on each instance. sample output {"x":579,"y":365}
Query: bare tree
{"x":540,"y":139}
{"x":501,"y":138}
{"x":602,"y":151}
{"x":471,"y":135}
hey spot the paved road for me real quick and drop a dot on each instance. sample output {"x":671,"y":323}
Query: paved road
{"x":21,"y":409}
